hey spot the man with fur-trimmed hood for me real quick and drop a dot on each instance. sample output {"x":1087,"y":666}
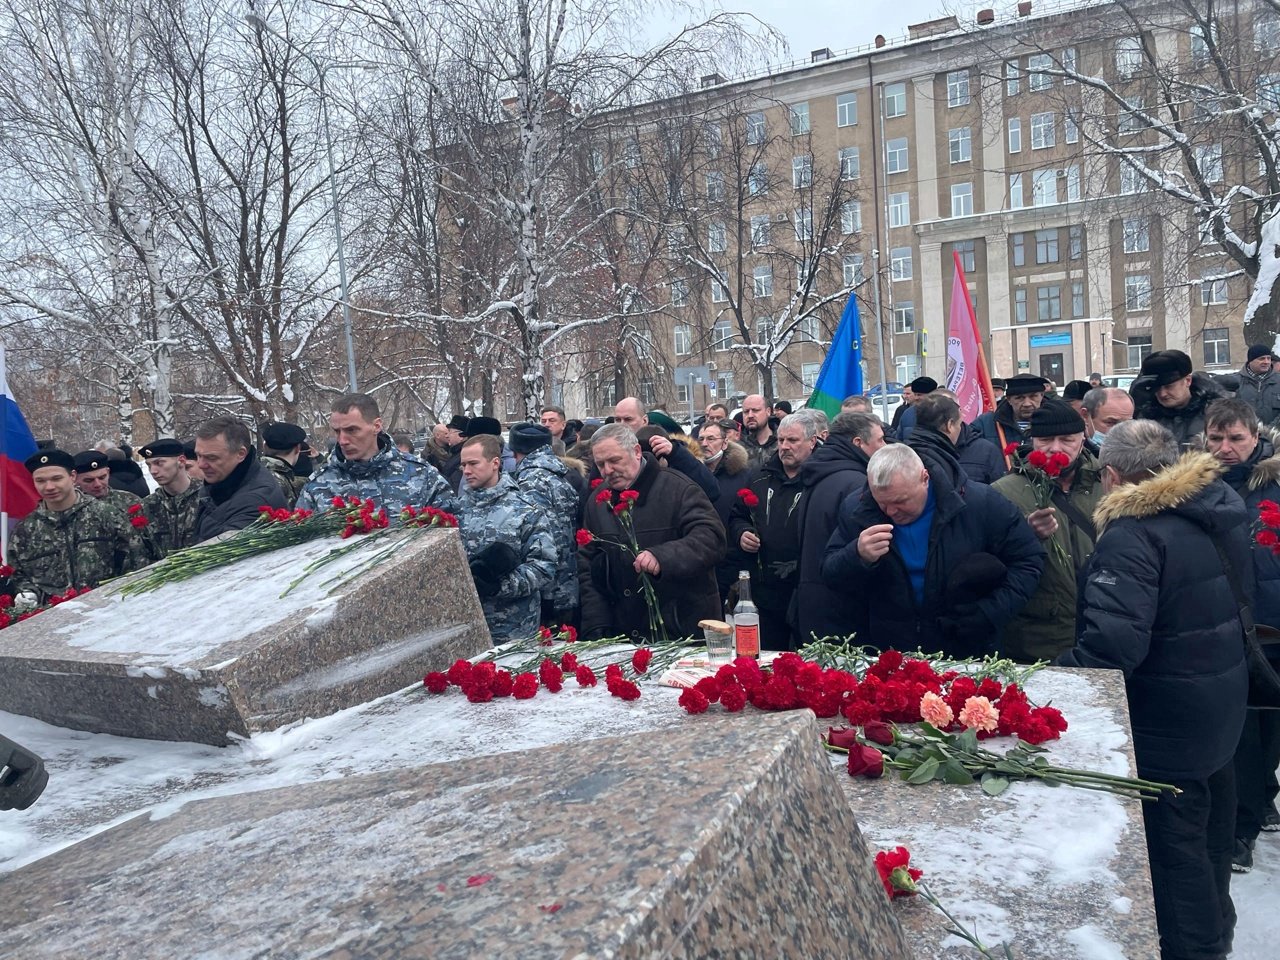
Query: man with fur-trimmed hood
{"x":1159,"y":604}
{"x":1249,"y":453}
{"x":1168,"y":392}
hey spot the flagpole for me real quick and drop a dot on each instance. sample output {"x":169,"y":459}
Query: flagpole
{"x":884,"y":383}
{"x":4,"y":432}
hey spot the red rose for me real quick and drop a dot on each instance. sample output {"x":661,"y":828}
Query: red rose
{"x":585,"y":676}
{"x":846,"y":738}
{"x":640,"y":659}
{"x":732,"y":697}
{"x":583,"y":536}
{"x":693,"y":701}
{"x":596,"y":482}
{"x":866,"y":762}
{"x":1038,"y":459}
{"x":435,"y":682}
{"x":1010,"y":449}
{"x":526,"y":686}
{"x":877,"y":731}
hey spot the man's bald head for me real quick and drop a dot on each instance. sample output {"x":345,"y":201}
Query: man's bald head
{"x":629,"y":411}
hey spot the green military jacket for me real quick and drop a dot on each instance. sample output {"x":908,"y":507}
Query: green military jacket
{"x":289,"y":481}
{"x":171,"y":521}
{"x":1047,"y":624}
{"x":122,"y":500}
{"x":81,"y":546}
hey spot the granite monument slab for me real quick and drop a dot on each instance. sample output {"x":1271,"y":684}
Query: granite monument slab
{"x":225,"y":655}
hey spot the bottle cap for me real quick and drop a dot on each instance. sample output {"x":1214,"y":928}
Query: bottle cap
{"x":743,"y":573}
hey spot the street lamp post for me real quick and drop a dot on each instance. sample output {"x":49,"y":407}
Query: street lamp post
{"x":321,"y":69}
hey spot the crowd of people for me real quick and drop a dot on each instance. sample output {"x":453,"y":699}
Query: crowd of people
{"x":1096,"y":528}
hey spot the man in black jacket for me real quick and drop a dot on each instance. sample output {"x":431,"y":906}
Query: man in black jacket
{"x":1168,"y":392}
{"x":236,"y":484}
{"x":834,"y":472}
{"x":730,"y":465}
{"x":766,"y":527}
{"x":1159,"y":604}
{"x":902,"y":552}
{"x":1010,"y":422}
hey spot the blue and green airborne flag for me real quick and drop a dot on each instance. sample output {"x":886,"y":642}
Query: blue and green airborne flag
{"x":841,"y":374}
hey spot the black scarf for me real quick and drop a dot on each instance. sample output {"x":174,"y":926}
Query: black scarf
{"x":224,"y":489}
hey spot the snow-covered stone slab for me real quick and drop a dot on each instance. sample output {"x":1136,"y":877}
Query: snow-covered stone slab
{"x":224,"y":655}
{"x":718,"y":839}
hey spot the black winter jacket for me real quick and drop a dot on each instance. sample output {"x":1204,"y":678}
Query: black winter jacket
{"x":1185,"y":423}
{"x":834,"y":472}
{"x":232,"y":504}
{"x":981,"y":459}
{"x":969,"y":518}
{"x":732,"y":472}
{"x":775,"y":519}
{"x":1157,"y":605}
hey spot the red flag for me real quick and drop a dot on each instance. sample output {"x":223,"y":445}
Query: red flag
{"x":967,"y":374}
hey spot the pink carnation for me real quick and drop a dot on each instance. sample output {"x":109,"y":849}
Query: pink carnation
{"x":934,"y":710}
{"x":978,"y":713}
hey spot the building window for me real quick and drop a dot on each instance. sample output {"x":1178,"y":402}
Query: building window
{"x":850,"y":217}
{"x":637,"y":245}
{"x":719,"y":292}
{"x":960,"y":144}
{"x":852,"y":269}
{"x":764,"y":330}
{"x":1213,"y":291}
{"x":1042,"y":136}
{"x":715,"y":186}
{"x":679,"y":293}
{"x":1015,"y":192}
{"x":850,"y":165}
{"x":761,"y":230}
{"x":635,"y":200}
{"x":1069,"y":64}
{"x":1209,"y":160}
{"x":1128,"y":56}
{"x":799,"y":119}
{"x":713,"y":139}
{"x":644,"y":344}
{"x":1049,"y":303}
{"x":595,"y":161}
{"x":1020,"y":305}
{"x":1132,"y":117}
{"x":906,"y":368}
{"x":899,"y":209}
{"x":896,"y":155}
{"x":1137,"y":292}
{"x":1200,"y":42}
{"x":846,"y":109}
{"x":966,"y":249}
{"x":904,"y":317}
{"x":1046,"y":246}
{"x":1044,"y":188}
{"x":1070,"y":129}
{"x":1217,"y":346}
{"x":1035,"y":79}
{"x":804,"y":273}
{"x":1137,"y":236}
{"x":807,"y":330}
{"x":957,"y":88}
{"x":895,"y":100}
{"x":758,"y":179}
{"x":717,"y":237}
{"x":962,"y":199}
{"x":722,"y":336}
{"x":1012,"y":80}
{"x":802,"y":219}
{"x":1269,"y":90}
{"x":1266,"y":31}
{"x":1019,"y":243}
{"x":1077,"y":298}
{"x":762,"y":281}
{"x":1138,"y":349}
{"x":1015,"y":135}
{"x":1075,"y":241}
{"x":1131,"y":181}
{"x":900,"y":263}
{"x":755,"y":128}
{"x":684,"y":339}
{"x":724,"y":383}
{"x":1073,"y":182}
{"x":802,"y":172}
{"x":809,"y":375}
{"x":677,"y":239}
{"x":682,"y":393}
{"x":631,"y":154}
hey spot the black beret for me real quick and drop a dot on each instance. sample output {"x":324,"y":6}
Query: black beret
{"x":50,"y":458}
{"x":1166,"y":366}
{"x":1076,"y":389}
{"x":1259,"y":350}
{"x":164,"y":447}
{"x":190,"y":450}
{"x":482,"y":425}
{"x":658,"y":418}
{"x":458,"y":422}
{"x":1056,"y":419}
{"x":528,"y":437}
{"x":283,"y":436}
{"x":88,"y":460}
{"x":1024,"y":383}
{"x":923,"y":385}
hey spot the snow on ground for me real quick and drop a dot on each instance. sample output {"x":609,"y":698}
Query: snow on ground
{"x":1257,"y":898}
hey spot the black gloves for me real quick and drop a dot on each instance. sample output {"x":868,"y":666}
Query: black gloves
{"x":22,"y":776}
{"x":490,"y":564}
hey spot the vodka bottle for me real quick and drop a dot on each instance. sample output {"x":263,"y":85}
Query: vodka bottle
{"x":746,"y":620}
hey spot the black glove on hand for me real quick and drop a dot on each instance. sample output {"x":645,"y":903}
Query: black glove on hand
{"x":22,"y":776}
{"x":490,"y":564}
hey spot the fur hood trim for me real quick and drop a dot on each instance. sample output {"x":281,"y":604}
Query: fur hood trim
{"x":735,"y":459}
{"x":1267,"y":471}
{"x":690,"y":444}
{"x":573,"y":463}
{"x":1169,"y":488}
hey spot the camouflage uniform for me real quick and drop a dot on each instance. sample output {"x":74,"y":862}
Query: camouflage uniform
{"x":541,"y":478}
{"x":171,"y":521}
{"x":290,"y":482}
{"x":501,"y":514}
{"x":393,"y":479}
{"x":122,"y":500}
{"x":81,"y":546}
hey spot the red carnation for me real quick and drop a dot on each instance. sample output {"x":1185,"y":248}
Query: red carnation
{"x":1268,"y":505}
{"x":693,"y":701}
{"x":1010,"y":449}
{"x":709,"y":687}
{"x":526,"y":685}
{"x":613,"y":672}
{"x":568,"y":663}
{"x":1270,"y":518}
{"x":640,"y":659}
{"x":629,"y":495}
{"x":1267,"y":538}
{"x":503,"y":685}
{"x":625,"y":690}
{"x":6,"y":571}
{"x":583,"y":536}
{"x":1038,"y":459}
{"x":596,"y":482}
{"x":569,"y":632}
{"x":436,"y":682}
{"x":585,"y":676}
{"x":338,"y":502}
{"x":732,"y":697}
{"x":749,"y":498}
{"x":552,"y":677}
{"x":477,"y":692}
{"x":6,"y":601}
{"x":604,"y":496}
{"x":139,"y":522}
{"x":135,"y":509}
{"x":460,"y":672}
{"x":866,"y":762}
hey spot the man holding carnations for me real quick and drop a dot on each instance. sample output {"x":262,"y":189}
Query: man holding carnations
{"x":1160,"y":605}
{"x":1053,"y":466}
{"x":1233,"y":436}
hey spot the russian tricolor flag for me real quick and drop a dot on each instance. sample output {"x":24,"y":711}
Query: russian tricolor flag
{"x":17,"y":493}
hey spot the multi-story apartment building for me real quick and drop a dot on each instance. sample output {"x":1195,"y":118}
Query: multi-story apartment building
{"x":1001,"y":142}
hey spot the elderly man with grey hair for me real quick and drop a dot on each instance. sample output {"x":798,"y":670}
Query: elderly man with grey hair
{"x":931,"y":560}
{"x":1162,"y":601}
{"x":679,"y":536}
{"x":765,"y":525}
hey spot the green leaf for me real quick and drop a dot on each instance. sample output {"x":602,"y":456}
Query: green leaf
{"x":968,"y":740}
{"x":993,"y":786}
{"x":925,"y":772}
{"x":932,"y":732}
{"x":953,"y":772}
